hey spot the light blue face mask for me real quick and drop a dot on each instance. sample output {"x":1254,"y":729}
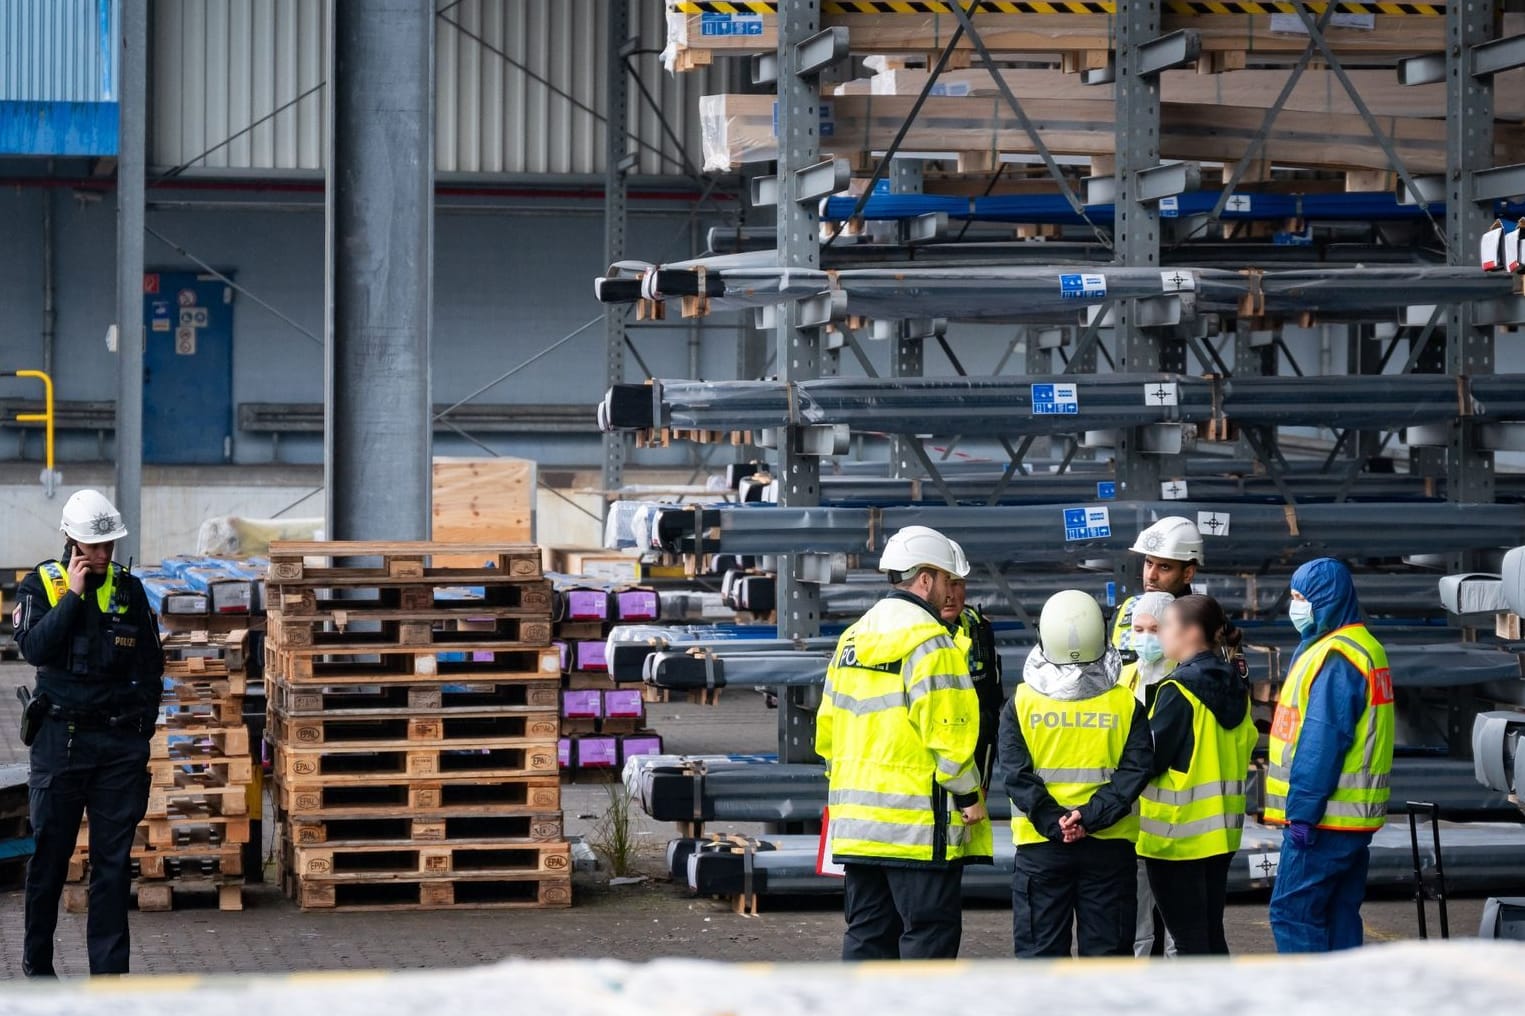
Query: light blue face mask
{"x":1147,"y":645}
{"x":1301,"y":613}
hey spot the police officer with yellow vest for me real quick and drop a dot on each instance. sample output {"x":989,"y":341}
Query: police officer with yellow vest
{"x":897,"y":726}
{"x":1075,"y":750}
{"x":975,"y":636}
{"x":1191,"y":815}
{"x":85,"y":623}
{"x":1331,"y":756}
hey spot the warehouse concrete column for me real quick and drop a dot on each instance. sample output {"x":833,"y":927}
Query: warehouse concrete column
{"x":379,"y":263}
{"x":132,"y":144}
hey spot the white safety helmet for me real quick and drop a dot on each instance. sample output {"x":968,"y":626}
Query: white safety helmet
{"x":922,"y":547}
{"x":1173,"y":538}
{"x":90,"y":518}
{"x":1071,"y":629}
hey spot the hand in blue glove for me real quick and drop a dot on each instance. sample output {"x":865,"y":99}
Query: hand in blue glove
{"x":1300,"y":834}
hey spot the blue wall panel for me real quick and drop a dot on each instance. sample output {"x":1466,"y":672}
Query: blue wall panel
{"x":58,"y":128}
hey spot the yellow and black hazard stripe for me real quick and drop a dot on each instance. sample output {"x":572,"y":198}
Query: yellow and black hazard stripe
{"x":1181,"y":7}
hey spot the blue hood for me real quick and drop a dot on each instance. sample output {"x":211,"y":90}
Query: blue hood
{"x":1326,"y":583}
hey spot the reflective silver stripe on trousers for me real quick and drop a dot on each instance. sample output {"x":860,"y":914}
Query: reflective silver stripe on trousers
{"x":879,"y":799}
{"x":1201,"y":792}
{"x":898,"y":834}
{"x":1057,"y":775}
{"x":938,"y":682}
{"x":867,"y":706}
{"x":1197,"y":827}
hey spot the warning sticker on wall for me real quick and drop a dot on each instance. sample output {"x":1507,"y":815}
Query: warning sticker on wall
{"x":185,"y":340}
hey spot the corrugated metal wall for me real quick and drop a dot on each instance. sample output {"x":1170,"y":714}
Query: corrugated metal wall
{"x":57,"y":50}
{"x":220,"y":65}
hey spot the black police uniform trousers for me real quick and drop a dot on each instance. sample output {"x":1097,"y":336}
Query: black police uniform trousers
{"x":1084,"y":892}
{"x":903,"y":913}
{"x":1191,"y":895}
{"x":102,"y":773}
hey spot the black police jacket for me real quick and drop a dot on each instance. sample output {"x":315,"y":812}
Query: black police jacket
{"x":90,"y":663}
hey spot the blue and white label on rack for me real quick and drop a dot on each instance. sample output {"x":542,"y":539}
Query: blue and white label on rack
{"x":1111,"y":594}
{"x":730,"y":24}
{"x":1055,"y":400}
{"x":1106,"y":490}
{"x":1238,"y":203}
{"x":1213,"y":523}
{"x":1087,"y":523}
{"x":1082,"y":286}
{"x":1170,"y":208}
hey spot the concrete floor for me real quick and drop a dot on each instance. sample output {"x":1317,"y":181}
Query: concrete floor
{"x":646,"y":921}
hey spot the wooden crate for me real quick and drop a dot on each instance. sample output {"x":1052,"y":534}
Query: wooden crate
{"x":348,"y":764}
{"x":412,"y":666}
{"x":477,"y":500}
{"x":484,"y":728}
{"x":395,"y":699}
{"x":408,"y":859}
{"x":298,"y":563}
{"x":530,"y":891}
{"x":421,"y":798}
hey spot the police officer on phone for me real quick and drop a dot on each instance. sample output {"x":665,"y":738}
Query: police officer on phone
{"x":85,"y":623}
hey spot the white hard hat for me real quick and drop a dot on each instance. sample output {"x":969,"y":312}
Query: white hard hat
{"x":921,"y":547}
{"x":1071,"y":628}
{"x":1173,"y":538}
{"x":90,"y":518}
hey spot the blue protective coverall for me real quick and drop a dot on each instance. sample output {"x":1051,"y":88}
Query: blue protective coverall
{"x":1321,"y":877}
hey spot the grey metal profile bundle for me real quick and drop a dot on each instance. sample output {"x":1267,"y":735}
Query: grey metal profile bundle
{"x":1060,"y":404}
{"x":1049,"y":293}
{"x":1023,"y":534}
{"x":1476,"y":857}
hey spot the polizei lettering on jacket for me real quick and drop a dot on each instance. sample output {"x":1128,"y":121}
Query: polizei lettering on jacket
{"x":1093,"y":721}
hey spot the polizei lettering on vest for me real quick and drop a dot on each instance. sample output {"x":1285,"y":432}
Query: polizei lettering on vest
{"x":1092,"y":721}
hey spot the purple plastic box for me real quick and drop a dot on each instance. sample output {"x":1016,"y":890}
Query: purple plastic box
{"x":597,"y":753}
{"x":638,"y":605}
{"x":640,"y":744}
{"x":564,"y":753}
{"x":586,"y":605}
{"x":624,"y":705}
{"x":581,"y":705}
{"x":590,"y":656}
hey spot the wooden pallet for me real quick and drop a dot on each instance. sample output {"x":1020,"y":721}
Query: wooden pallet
{"x":533,"y":891}
{"x":403,"y":666}
{"x":485,"y":729}
{"x":365,"y":764}
{"x":290,"y":563}
{"x":157,"y":865}
{"x":154,"y":897}
{"x":310,"y":636}
{"x":408,"y":859}
{"x":183,"y":710}
{"x":210,"y":624}
{"x":392,"y":700}
{"x":423,"y":798}
{"x":206,"y":767}
{"x":222,"y":800}
{"x":231,"y":648}
{"x":421,"y":601}
{"x":469,"y":826}
{"x":209,"y":677}
{"x":226,"y":741}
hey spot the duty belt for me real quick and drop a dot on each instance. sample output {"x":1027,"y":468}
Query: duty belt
{"x":97,"y":719}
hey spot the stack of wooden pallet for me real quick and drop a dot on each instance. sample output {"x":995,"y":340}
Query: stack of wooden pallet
{"x":202,"y":779}
{"x":413,"y":710}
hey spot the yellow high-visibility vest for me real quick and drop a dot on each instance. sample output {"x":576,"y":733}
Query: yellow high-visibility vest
{"x":898,"y":726}
{"x":1359,"y":801}
{"x":1199,"y":813}
{"x":1075,"y":747}
{"x":55,"y":581}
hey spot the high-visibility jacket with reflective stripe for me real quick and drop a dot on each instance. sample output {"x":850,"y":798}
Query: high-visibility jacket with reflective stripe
{"x":897,"y":726}
{"x":1199,"y":813}
{"x":1359,"y":800}
{"x":55,"y":581}
{"x":1076,"y":746}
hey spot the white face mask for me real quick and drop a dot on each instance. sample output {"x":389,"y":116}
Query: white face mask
{"x":1301,"y":613}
